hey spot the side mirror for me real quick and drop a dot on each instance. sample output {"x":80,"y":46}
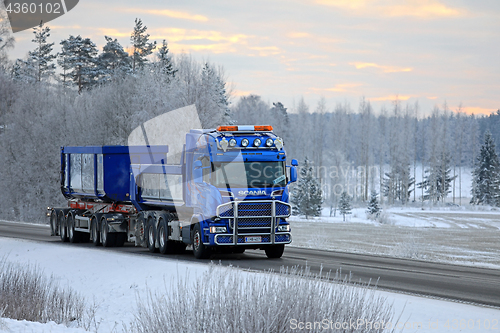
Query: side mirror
{"x":294,"y":162}
{"x":293,"y":174}
{"x":198,"y":172}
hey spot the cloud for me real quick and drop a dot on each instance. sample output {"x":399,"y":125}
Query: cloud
{"x":386,"y":69}
{"x":478,"y":110}
{"x":343,"y":87}
{"x":298,"y":34}
{"x":166,"y":12}
{"x":423,"y":9}
{"x":264,"y":51}
{"x":390,"y":98}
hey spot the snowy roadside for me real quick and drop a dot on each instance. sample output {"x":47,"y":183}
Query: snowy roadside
{"x":113,"y":281}
{"x":462,"y":237}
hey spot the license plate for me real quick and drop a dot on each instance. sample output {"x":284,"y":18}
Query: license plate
{"x":255,"y":239}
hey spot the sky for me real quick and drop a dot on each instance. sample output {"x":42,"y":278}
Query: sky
{"x":427,"y":51}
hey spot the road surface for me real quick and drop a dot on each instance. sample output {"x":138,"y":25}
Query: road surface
{"x":460,"y":283}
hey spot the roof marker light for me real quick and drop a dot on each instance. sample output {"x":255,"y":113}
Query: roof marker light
{"x":243,"y":128}
{"x":244,"y":142}
{"x":269,"y":142}
{"x":257,"y":142}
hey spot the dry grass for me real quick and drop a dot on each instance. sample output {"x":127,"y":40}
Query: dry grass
{"x":224,"y":300}
{"x":26,"y":294}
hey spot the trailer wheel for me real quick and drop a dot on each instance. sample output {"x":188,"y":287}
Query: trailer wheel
{"x":151,"y":235}
{"x":62,"y":227}
{"x":200,"y":251}
{"x":72,"y":234}
{"x":163,"y":237}
{"x":140,"y":231}
{"x":96,"y":239}
{"x":275,"y":251}
{"x":107,"y":238}
{"x":53,"y":223}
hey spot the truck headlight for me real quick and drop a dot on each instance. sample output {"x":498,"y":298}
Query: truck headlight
{"x":217,"y":230}
{"x":284,"y":228}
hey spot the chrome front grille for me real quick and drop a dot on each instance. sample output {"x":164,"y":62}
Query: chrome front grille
{"x":246,"y":217}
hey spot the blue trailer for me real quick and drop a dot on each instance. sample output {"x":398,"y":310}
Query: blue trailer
{"x":228,"y":191}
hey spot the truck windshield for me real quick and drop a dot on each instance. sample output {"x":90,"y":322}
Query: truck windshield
{"x":257,"y":174}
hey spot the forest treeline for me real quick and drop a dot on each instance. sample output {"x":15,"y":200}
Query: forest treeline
{"x":85,"y":96}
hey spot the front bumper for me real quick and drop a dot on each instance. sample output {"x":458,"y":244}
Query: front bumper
{"x":253,"y":222}
{"x":251,"y":239}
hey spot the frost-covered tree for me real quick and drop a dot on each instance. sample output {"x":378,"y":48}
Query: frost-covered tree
{"x":23,"y":71}
{"x":42,"y":58}
{"x":79,"y":59}
{"x":373,"y":210}
{"x":307,"y":196}
{"x":486,"y":175}
{"x":113,"y":60}
{"x":437,"y":179}
{"x":345,"y":204}
{"x":165,"y":65}
{"x":6,"y":38}
{"x":397,"y":184}
{"x":141,"y":45}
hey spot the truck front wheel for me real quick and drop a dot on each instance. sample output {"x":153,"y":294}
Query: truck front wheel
{"x":275,"y":251}
{"x":200,"y":250}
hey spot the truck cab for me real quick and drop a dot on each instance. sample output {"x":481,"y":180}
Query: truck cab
{"x":240,"y":189}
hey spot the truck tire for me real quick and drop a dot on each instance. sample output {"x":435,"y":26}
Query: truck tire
{"x":107,"y":238}
{"x":200,"y":250}
{"x":62,"y":227}
{"x":94,"y":229}
{"x":140,"y":231}
{"x":73,"y":236}
{"x":151,"y":234}
{"x":53,"y":223}
{"x":275,"y":251}
{"x":163,"y":242}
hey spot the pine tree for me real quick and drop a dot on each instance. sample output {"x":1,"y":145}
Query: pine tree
{"x":373,"y":210}
{"x":486,"y":175}
{"x":214,"y":89}
{"x":307,"y":196}
{"x":79,"y":58}
{"x":165,"y":65}
{"x":437,"y":180}
{"x":397,"y":184}
{"x":142,"y":46}
{"x":63,"y":62}
{"x":23,"y":71}
{"x":113,"y":60}
{"x":41,"y":58}
{"x":345,"y":204}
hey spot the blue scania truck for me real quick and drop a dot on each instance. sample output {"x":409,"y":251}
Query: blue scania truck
{"x":227,"y":192}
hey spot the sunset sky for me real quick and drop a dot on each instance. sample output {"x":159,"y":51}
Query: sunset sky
{"x":430,"y":51}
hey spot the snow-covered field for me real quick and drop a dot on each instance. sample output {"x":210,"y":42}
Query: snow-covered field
{"x":113,"y":281}
{"x":448,"y":234}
